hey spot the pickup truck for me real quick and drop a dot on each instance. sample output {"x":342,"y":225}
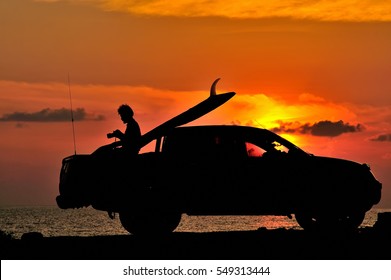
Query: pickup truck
{"x":218,"y":170}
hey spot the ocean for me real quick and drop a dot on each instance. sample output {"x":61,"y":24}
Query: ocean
{"x":52,"y":221}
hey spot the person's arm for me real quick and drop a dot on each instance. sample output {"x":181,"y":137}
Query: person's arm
{"x":118,"y":134}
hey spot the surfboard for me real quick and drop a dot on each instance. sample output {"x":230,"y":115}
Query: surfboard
{"x":212,"y":102}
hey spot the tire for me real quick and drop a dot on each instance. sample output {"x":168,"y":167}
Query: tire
{"x":351,"y":222}
{"x":306,"y":221}
{"x":149,"y":223}
{"x":346,"y":223}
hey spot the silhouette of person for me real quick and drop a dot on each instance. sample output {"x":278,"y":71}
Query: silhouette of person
{"x":130,"y":143}
{"x":130,"y":139}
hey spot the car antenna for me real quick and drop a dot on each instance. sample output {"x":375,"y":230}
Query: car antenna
{"x":259,"y":123}
{"x":73,"y":123}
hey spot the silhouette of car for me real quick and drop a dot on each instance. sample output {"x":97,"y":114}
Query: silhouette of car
{"x":219,"y":170}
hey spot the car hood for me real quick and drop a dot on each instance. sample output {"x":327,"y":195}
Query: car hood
{"x":338,"y":163}
{"x":343,"y":168}
{"x":212,"y":102}
{"x":353,"y":172}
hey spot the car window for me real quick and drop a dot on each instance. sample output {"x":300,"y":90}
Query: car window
{"x":279,"y":147}
{"x":194,"y":145}
{"x":265,"y":149}
{"x":254,"y":150}
{"x":227,"y":146}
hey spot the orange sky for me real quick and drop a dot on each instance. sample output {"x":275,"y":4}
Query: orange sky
{"x":293,"y":66}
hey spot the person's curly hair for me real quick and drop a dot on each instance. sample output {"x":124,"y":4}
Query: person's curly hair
{"x":125,"y":109}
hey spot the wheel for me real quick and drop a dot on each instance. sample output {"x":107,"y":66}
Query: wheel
{"x":352,"y":221}
{"x":149,"y":223}
{"x":306,"y":221}
{"x":348,"y":222}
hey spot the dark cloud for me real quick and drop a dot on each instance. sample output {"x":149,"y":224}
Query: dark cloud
{"x":286,"y":127}
{"x":328,"y":128}
{"x":322,"y":128}
{"x":383,"y":138}
{"x":51,"y":115}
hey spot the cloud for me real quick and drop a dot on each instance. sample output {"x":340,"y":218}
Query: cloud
{"x":329,"y":128}
{"x":321,"y":128}
{"x":324,"y":10}
{"x":382,"y":138}
{"x":51,"y":115}
{"x":339,"y":10}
